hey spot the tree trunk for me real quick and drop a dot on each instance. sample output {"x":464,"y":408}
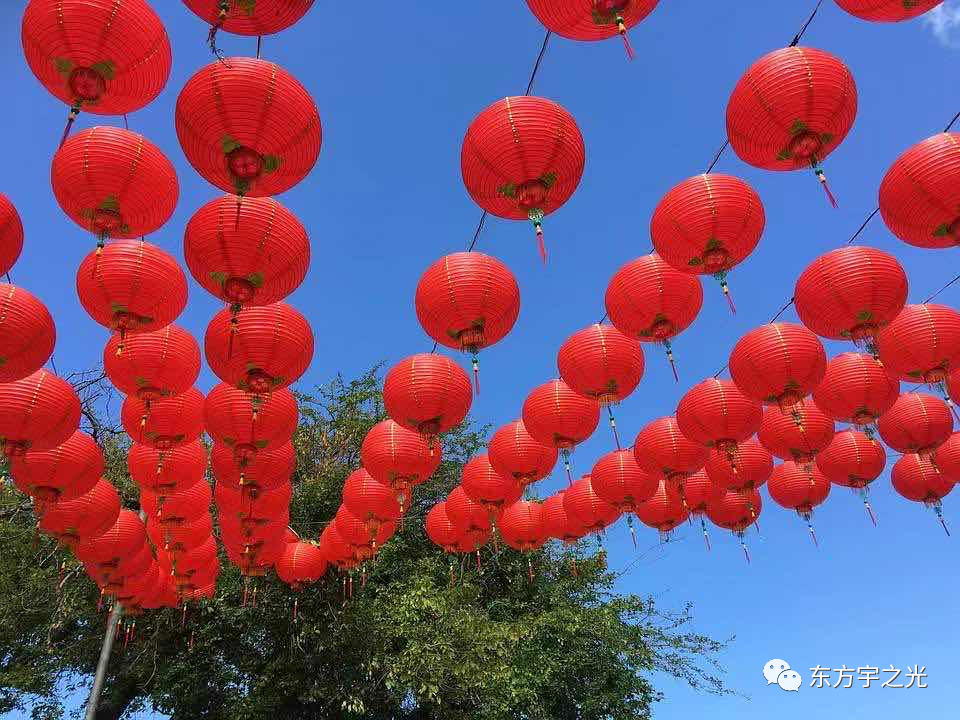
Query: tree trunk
{"x":117,"y":696}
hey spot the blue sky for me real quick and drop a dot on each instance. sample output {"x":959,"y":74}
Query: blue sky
{"x":396,"y":91}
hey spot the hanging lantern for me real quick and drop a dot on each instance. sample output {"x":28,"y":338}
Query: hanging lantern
{"x":747,"y":470}
{"x":485,"y":487}
{"x":922,"y":344}
{"x":592,"y":19}
{"x":27,"y":332}
{"x":853,"y":460}
{"x":251,"y":474}
{"x":918,"y":480}
{"x":166,"y":472}
{"x":153,"y":365}
{"x":735,"y":511}
{"x":778,"y":364}
{"x":114,"y":183}
{"x":427,"y":393}
{"x":707,"y":225}
{"x":269,"y":350}
{"x":590,"y":510}
{"x":555,"y":415}
{"x":87,"y":516}
{"x":247,"y":17}
{"x":248,"y":127}
{"x":250,"y":423}
{"x":121,"y":541}
{"x":697,"y":492}
{"x":180,"y":538}
{"x":440,"y":529}
{"x":301,"y":563}
{"x":256,"y":508}
{"x":716,"y":414}
{"x":11,"y":235}
{"x":335,"y":549}
{"x":371,"y":501}
{"x":917,"y":423}
{"x":398,"y":458}
{"x":798,"y":435}
{"x":851,"y":293}
{"x":948,"y":457}
{"x":664,"y":510}
{"x":467,"y":301}
{"x":515,"y":453}
{"x":558,"y":523}
{"x":131,"y":287}
{"x":105,"y":57}
{"x":522,"y":527}
{"x":791,"y":109}
{"x":856,"y":389}
{"x":191,"y":562}
{"x":166,"y":423}
{"x":799,"y":487}
{"x":37,"y":413}
{"x":368,"y":536}
{"x":257,"y":261}
{"x":616,"y":478}
{"x":953,"y":386}
{"x":185,"y":506}
{"x":663,"y":451}
{"x":471,"y":519}
{"x":523,"y":158}
{"x":888,"y":10}
{"x":651,"y":301}
{"x":63,"y":473}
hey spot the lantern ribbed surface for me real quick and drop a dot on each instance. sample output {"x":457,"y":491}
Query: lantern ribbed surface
{"x":182,"y":537}
{"x":87,"y":516}
{"x":850,"y":293}
{"x":916,"y":479}
{"x":187,"y":563}
{"x":522,"y":526}
{"x":748,"y":468}
{"x":363,"y":533}
{"x":589,"y":19}
{"x":268,"y":348}
{"x":778,"y":363}
{"x":112,"y":56}
{"x":707,"y":224}
{"x":153,"y":365}
{"x":798,"y":487}
{"x":248,"y":127}
{"x":522,"y":155}
{"x":301,"y":562}
{"x":27,"y":333}
{"x":467,"y":301}
{"x":440,"y":529}
{"x":715,"y":413}
{"x":602,"y":363}
{"x":165,"y":472}
{"x":249,"y":423}
{"x":735,"y":511}
{"x":38,"y":412}
{"x":555,"y":415}
{"x":917,"y":423}
{"x":266,"y":470}
{"x":255,"y":258}
{"x":791,"y":108}
{"x":852,"y":459}
{"x":888,"y":10}
{"x":485,"y":486}
{"x":920,"y":194}
{"x":470,"y":518}
{"x":922,"y":344}
{"x":132,"y":286}
{"x":664,"y":510}
{"x":253,"y":511}
{"x":114,"y":182}
{"x":166,"y":423}
{"x":558,"y":523}
{"x":856,"y":388}
{"x":66,"y":472}
{"x":515,"y":453}
{"x":698,"y":491}
{"x":261,"y":17}
{"x":661,"y":449}
{"x":125,"y":538}
{"x":428,"y":393}
{"x":581,"y":502}
{"x":798,"y":434}
{"x":953,"y":386}
{"x":651,"y":301}
{"x":948,"y":457}
{"x":185,"y":506}
{"x":371,"y":500}
{"x":617,"y":479}
{"x":398,"y":457}
{"x":11,"y":234}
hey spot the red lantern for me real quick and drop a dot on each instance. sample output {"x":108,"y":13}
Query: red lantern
{"x":591,"y":511}
{"x":335,"y":549}
{"x":735,"y":511}
{"x":253,"y":508}
{"x":917,"y":423}
{"x":87,"y":516}
{"x":269,"y":350}
{"x":558,"y":523}
{"x":373,"y":502}
{"x":918,"y":480}
{"x":37,"y":413}
{"x":748,"y":469}
{"x":250,"y":474}
{"x":185,"y":506}
{"x":11,"y":235}
{"x":63,"y":473}
{"x":470,"y":518}
{"x":922,"y":344}
{"x":798,"y":435}
{"x":301,"y":563}
{"x":428,"y":393}
{"x":791,"y":109}
{"x":555,"y":415}
{"x":799,"y":487}
{"x":180,"y":538}
{"x":651,"y":301}
{"x":164,"y":424}
{"x":257,"y":261}
{"x":716,"y":414}
{"x":698,"y":491}
{"x":948,"y":457}
{"x":887,"y":10}
{"x":851,"y":293}
{"x":166,"y":472}
{"x":121,"y":541}
{"x":114,"y":183}
{"x":664,"y":510}
{"x":248,"y":127}
{"x":187,"y":564}
{"x":467,"y":301}
{"x":153,"y":365}
{"x":485,"y":487}
{"x":398,"y":458}
{"x":592,"y":19}
{"x":27,"y":333}
{"x":856,"y":388}
{"x":131,"y":287}
{"x":707,"y":225}
{"x":521,"y":526}
{"x":778,"y":364}
{"x":515,"y":453}
{"x":106,"y":57}
{"x":440,"y":529}
{"x":617,"y":479}
{"x":953,"y":386}
{"x":261,"y":17}
{"x":365,"y":534}
{"x":663,"y":451}
{"x":523,"y":158}
{"x":250,"y":423}
{"x":853,"y":460}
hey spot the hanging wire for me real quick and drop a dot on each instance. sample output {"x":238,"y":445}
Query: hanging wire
{"x":796,"y":38}
{"x":955,"y":279}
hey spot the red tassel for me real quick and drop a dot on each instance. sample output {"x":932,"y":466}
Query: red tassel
{"x":183,"y":616}
{"x":224,"y":6}
{"x":478,"y":559}
{"x":541,"y":245}
{"x":529,"y":570}
{"x":626,"y":42}
{"x":673,"y":365}
{"x":726,"y":294}
{"x":826,"y":188}
{"x":476,"y":376}
{"x":295,"y":601}
{"x":71,"y":118}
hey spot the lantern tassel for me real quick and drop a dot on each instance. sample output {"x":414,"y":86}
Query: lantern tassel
{"x":873,"y":518}
{"x":622,"y":29}
{"x":566,"y":466}
{"x":476,"y":376}
{"x":71,"y":118}
{"x":234,"y":326}
{"x":453,"y":574}
{"x":673,"y":366}
{"x":706,"y":536}
{"x":943,"y":523}
{"x":813,"y":534}
{"x":823,"y":182}
{"x":190,"y":643}
{"x":633,"y":536}
{"x":726,"y":294}
{"x":254,"y":598}
{"x":183,"y":616}
{"x":613,"y":426}
{"x":224,"y":7}
{"x":573,"y":566}
{"x":246,"y":590}
{"x":746,"y":552}
{"x":478,"y":559}
{"x":536,"y":217}
{"x":529,"y":571}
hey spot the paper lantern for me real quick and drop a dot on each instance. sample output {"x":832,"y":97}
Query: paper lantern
{"x":27,"y":333}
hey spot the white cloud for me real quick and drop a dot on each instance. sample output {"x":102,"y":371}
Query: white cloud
{"x":944,"y":22}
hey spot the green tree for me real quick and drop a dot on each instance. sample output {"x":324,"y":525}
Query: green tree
{"x":407,"y":644}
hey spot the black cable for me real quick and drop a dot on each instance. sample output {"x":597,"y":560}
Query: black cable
{"x":796,"y":38}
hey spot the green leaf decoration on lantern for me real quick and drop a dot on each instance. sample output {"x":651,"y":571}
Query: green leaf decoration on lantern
{"x":826,"y":138}
{"x":255,"y":279}
{"x":117,"y":308}
{"x":241,"y":186}
{"x":915,"y":373}
{"x":278,"y":380}
{"x":864,"y":315}
{"x":105,"y":68}
{"x":713,"y":244}
{"x":229,"y":441}
{"x":270,"y":164}
{"x":251,"y":367}
{"x":942,"y":230}
{"x":63,"y":65}
{"x":220,"y":278}
{"x":3,"y":360}
{"x":86,"y":214}
{"x":549,"y":179}
{"x":260,"y":444}
{"x":694,"y":262}
{"x":799,"y":126}
{"x":124,"y":228}
{"x":109,"y":204}
{"x":784,"y":155}
{"x":139,"y":381}
{"x":509,"y":190}
{"x":248,"y":7}
{"x":228,"y":144}
{"x":602,"y":18}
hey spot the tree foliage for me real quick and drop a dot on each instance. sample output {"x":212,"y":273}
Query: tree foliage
{"x":407,"y":643}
